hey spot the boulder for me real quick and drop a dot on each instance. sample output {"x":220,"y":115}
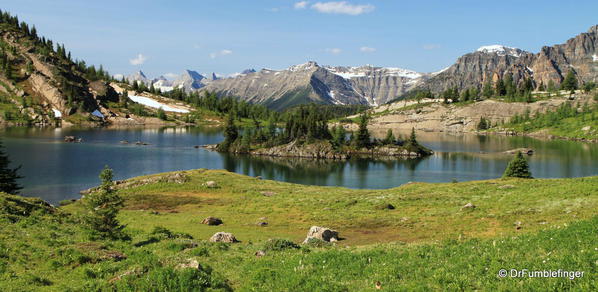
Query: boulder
{"x":268,"y":193}
{"x":211,"y":184}
{"x":223,"y":237}
{"x":262,"y":224}
{"x":321,"y":233}
{"x":260,"y":253}
{"x":385,"y":207}
{"x":468,"y":206}
{"x":190,"y":264}
{"x":212,"y":221}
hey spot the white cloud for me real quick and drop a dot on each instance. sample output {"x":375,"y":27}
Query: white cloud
{"x":171,"y":75}
{"x":300,"y":5}
{"x":140,"y":59}
{"x":431,"y":46}
{"x":220,"y":54}
{"x":334,"y":51}
{"x":197,"y":46}
{"x":367,"y":49}
{"x":342,"y":7}
{"x":275,"y":9}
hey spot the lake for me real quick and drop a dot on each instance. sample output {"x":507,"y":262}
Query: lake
{"x":55,"y":170}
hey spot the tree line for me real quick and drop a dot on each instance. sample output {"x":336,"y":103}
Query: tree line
{"x":306,"y":124}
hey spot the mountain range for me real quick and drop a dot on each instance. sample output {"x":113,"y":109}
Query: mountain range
{"x":369,"y":85}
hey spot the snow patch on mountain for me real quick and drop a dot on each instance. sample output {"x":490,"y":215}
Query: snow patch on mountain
{"x":371,"y":72}
{"x":500,"y":50}
{"x":594,"y":58}
{"x":303,"y":67}
{"x":155,"y":104}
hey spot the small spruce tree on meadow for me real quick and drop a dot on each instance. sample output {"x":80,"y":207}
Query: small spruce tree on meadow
{"x":102,"y":208}
{"x":518,"y":167}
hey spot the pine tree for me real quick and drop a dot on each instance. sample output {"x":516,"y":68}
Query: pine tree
{"x":484,"y":124}
{"x":500,"y":88}
{"x":102,"y":208}
{"x":363,"y":135}
{"x":231,"y":133}
{"x":487,"y":90}
{"x":518,"y":167}
{"x":8,"y":176}
{"x":412,"y":138}
{"x":390,"y":138}
{"x":570,"y":81}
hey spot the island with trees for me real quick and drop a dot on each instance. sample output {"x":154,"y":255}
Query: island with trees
{"x":306,"y":133}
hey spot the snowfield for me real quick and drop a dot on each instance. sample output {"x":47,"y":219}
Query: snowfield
{"x":57,"y":113}
{"x":500,"y":50}
{"x":370,"y":72}
{"x":156,"y":104}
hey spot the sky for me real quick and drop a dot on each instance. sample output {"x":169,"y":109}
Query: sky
{"x":224,"y":36}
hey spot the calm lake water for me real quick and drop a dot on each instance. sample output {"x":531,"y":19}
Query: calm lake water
{"x":55,"y":170}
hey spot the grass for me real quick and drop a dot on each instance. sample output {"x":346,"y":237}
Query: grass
{"x":584,"y":126}
{"x":428,"y":242}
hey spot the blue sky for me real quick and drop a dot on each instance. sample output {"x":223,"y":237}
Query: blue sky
{"x":227,"y":36}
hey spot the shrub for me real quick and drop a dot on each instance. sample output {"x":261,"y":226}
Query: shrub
{"x":277,"y":244}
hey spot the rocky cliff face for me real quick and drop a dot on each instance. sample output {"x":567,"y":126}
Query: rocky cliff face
{"x":551,"y":64}
{"x":577,"y":54}
{"x":311,"y":82}
{"x":488,"y":63}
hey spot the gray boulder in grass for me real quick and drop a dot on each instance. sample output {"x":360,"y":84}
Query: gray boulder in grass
{"x":223,"y":237}
{"x":322,"y":233}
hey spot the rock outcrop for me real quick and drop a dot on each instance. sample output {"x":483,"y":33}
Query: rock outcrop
{"x":318,"y":150}
{"x":438,"y":117}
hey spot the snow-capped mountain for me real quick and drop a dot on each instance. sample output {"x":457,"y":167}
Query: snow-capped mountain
{"x":501,"y":50}
{"x":310,"y":82}
{"x":138,"y":76}
{"x":189,"y":80}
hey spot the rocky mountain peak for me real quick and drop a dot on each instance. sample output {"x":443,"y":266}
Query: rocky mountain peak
{"x":248,"y":71}
{"x":500,"y":50}
{"x":310,"y":65}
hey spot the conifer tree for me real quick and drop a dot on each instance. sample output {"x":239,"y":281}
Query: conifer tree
{"x":103,"y":207}
{"x":412,"y":138}
{"x":570,"y":81}
{"x":8,"y":176}
{"x":518,"y":167}
{"x":487,"y":90}
{"x":363,"y":135}
{"x":231,"y":133}
{"x":390,"y":138}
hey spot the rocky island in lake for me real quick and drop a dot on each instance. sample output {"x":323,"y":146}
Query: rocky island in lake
{"x":306,"y":133}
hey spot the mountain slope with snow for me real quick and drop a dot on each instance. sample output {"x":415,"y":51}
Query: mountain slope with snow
{"x":310,"y":82}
